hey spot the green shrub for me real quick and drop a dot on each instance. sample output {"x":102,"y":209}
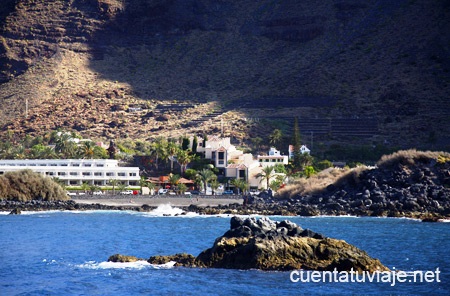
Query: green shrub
{"x":27,"y":185}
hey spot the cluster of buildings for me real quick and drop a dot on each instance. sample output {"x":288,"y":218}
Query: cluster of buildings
{"x":231,"y":163}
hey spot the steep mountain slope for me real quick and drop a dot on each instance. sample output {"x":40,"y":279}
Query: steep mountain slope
{"x":372,"y":71}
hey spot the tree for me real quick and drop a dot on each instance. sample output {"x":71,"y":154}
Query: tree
{"x":85,"y":187}
{"x":94,"y":188}
{"x":158,"y":149}
{"x":86,"y":150}
{"x":309,"y":171}
{"x":194,"y":145}
{"x":113,"y":183}
{"x":173,"y":179}
{"x":257,"y":142}
{"x":296,"y":143}
{"x":266,"y":173}
{"x":214,"y":185}
{"x":182,"y":188}
{"x":205,"y":176}
{"x":143,"y":182}
{"x":185,"y":143}
{"x":65,"y":146}
{"x":275,"y":137}
{"x":184,"y":158}
{"x":172,"y":149}
{"x":121,"y":186}
{"x":240,"y":184}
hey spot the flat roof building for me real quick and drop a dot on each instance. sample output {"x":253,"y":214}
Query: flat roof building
{"x":76,"y":171}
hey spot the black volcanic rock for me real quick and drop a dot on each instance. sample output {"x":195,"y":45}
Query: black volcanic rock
{"x":268,"y":245}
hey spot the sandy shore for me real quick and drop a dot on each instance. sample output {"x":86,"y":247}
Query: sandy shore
{"x":156,"y":201}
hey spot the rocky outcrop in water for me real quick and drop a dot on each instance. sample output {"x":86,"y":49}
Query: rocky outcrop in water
{"x":268,"y":245}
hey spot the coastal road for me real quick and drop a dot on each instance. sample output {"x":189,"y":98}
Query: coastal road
{"x":156,"y":201}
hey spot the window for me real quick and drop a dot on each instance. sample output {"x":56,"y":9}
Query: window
{"x":109,"y":174}
{"x":86,"y":173}
{"x":100,"y":165}
{"x":133,"y":174}
{"x":87,"y":164}
{"x":61,"y":173}
{"x":73,"y":173}
{"x":76,"y":164}
{"x":213,"y":155}
{"x":121,"y":174}
{"x":97,"y":174}
{"x":242,"y":174}
{"x":72,"y":182}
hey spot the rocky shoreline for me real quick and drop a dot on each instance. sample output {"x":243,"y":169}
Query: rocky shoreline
{"x":267,"y":208}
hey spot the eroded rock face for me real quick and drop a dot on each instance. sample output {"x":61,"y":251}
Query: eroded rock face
{"x":268,"y":245}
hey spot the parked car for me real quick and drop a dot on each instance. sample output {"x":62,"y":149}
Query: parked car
{"x":163,"y":191}
{"x":71,"y":193}
{"x":187,"y":193}
{"x":127,"y":192}
{"x":254,"y":192}
{"x":227,"y":192}
{"x":98,"y":193}
{"x":195,"y":192}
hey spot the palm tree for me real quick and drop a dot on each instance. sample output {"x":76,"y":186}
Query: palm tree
{"x":87,"y":150}
{"x":205,"y":176}
{"x":173,"y":180}
{"x":184,"y":157}
{"x":65,"y":146}
{"x":85,"y":187}
{"x":143,"y":182}
{"x":214,"y":185}
{"x":266,"y":173}
{"x":121,"y":186}
{"x":275,"y":137}
{"x":172,"y":149}
{"x":240,"y":184}
{"x":182,"y":188}
{"x":113,"y":183}
{"x":158,"y":149}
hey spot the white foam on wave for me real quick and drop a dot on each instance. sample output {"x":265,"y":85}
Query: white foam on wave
{"x":125,"y":265}
{"x":165,"y":210}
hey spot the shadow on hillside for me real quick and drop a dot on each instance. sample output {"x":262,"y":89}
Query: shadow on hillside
{"x":177,"y":50}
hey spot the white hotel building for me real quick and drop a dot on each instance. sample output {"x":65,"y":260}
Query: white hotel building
{"x":76,"y":171}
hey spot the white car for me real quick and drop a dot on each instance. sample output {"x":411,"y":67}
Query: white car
{"x":163,"y":191}
{"x":98,"y":193}
{"x":127,"y":192}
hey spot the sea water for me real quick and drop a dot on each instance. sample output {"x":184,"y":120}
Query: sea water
{"x":65,"y":253}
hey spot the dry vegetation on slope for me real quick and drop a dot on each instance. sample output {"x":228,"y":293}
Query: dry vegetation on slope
{"x":81,"y":63}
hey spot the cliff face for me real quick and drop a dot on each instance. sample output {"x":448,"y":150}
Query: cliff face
{"x":320,"y":60}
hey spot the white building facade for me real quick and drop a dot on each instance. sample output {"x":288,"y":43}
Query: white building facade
{"x":76,"y":171}
{"x":273,"y":158}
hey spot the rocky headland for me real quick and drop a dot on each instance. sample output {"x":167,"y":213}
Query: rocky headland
{"x":268,"y":245}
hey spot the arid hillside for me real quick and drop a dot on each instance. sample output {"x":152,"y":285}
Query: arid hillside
{"x":374,"y":71}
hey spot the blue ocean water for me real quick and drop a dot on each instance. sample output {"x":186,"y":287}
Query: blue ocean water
{"x":65,"y":253}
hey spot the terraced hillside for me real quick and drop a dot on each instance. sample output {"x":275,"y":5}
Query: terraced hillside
{"x":372,"y":71}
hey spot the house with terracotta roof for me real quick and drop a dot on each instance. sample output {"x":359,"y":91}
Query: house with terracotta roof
{"x":303,"y":150}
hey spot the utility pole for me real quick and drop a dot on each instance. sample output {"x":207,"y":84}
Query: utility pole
{"x":26,"y":107}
